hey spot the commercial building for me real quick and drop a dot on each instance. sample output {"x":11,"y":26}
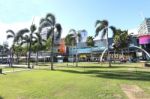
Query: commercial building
{"x":144,"y":34}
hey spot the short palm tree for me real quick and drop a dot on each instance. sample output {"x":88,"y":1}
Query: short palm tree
{"x":16,"y":39}
{"x":53,"y":30}
{"x":69,"y":42}
{"x":104,"y":26}
{"x":90,"y":42}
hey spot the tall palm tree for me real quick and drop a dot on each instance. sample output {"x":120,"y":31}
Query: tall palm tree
{"x":53,"y":30}
{"x":104,"y":26}
{"x":90,"y":42}
{"x":77,"y":36}
{"x":16,"y":39}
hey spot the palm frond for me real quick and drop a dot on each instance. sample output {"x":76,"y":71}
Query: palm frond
{"x":11,"y":31}
{"x":20,"y":34}
{"x":9,"y":36}
{"x":49,"y":33}
{"x":72,"y":31}
{"x":79,"y":37}
{"x":41,"y":20}
{"x":113,"y":30}
{"x":98,"y":29}
{"x":103,"y":33}
{"x":32,"y":28}
{"x":51,"y":18}
{"x":44,"y":25}
{"x":105,"y":23}
{"x":59,"y":30}
{"x":23,"y":42}
{"x":97,"y":22}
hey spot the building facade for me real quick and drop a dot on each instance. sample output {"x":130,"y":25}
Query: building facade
{"x":144,"y":35}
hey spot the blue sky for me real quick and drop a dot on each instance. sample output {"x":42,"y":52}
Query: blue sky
{"x":77,"y":14}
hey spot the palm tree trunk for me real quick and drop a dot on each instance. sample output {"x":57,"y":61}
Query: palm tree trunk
{"x":108,"y":49}
{"x":91,"y":54}
{"x":72,"y":55}
{"x":29,"y":55}
{"x":52,"y":58}
{"x":17,"y":58}
{"x":37,"y":55}
{"x":2,"y":54}
{"x":12,"y":58}
{"x":76,"y":56}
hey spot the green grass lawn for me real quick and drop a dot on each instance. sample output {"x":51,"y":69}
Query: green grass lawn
{"x":87,"y":81}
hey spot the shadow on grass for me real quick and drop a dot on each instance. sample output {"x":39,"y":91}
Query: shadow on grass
{"x":102,"y":67}
{"x":1,"y":97}
{"x":115,"y":74}
{"x":43,"y":64}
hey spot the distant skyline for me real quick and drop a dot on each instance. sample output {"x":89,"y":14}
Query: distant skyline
{"x":76,"y":14}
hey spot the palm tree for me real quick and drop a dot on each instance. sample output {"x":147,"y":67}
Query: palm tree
{"x":38,"y":44}
{"x":53,"y":30}
{"x":90,"y":42}
{"x":25,"y":42}
{"x":29,"y":40}
{"x":77,"y":36}
{"x":16,"y":39}
{"x":104,"y":26}
{"x":69,"y":41}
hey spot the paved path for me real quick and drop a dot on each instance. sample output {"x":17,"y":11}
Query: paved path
{"x":10,"y":71}
{"x":15,"y":65}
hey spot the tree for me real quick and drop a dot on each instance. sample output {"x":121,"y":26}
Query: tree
{"x":53,"y":30}
{"x":77,"y":36}
{"x":104,"y":26}
{"x":25,"y":43}
{"x":4,"y":51}
{"x":38,"y":45}
{"x":69,"y":42}
{"x":17,"y":37}
{"x":90,"y":42}
{"x":121,"y":40}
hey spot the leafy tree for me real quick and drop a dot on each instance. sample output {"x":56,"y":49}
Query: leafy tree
{"x":90,"y":42}
{"x":53,"y":30}
{"x":121,"y":39}
{"x":103,"y":26}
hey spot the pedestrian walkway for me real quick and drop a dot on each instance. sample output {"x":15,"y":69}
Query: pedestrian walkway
{"x":10,"y":71}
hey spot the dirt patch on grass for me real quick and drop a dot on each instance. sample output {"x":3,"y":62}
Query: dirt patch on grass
{"x":134,"y":92}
